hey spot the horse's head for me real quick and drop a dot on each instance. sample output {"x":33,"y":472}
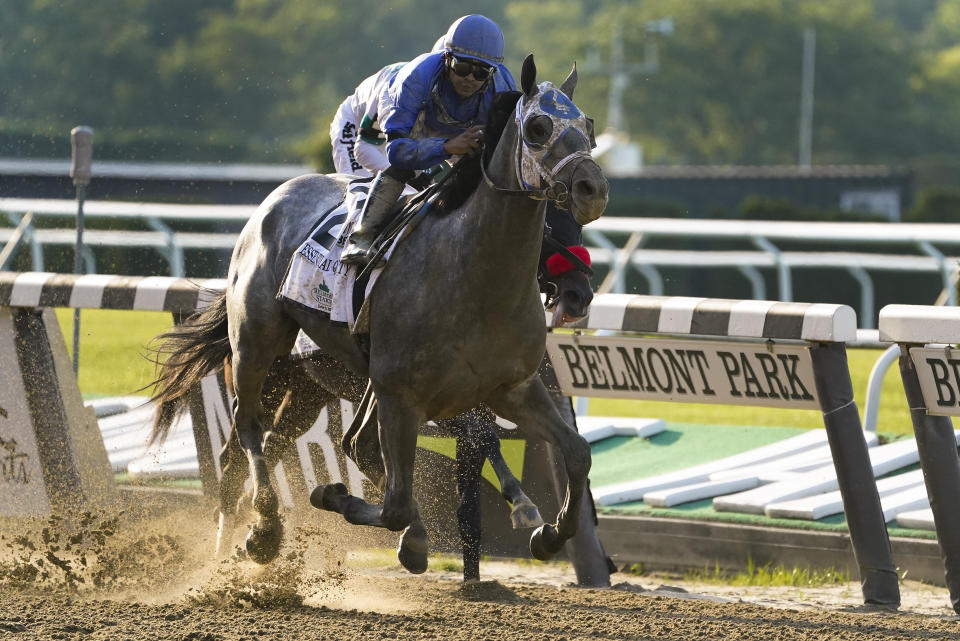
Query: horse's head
{"x":554,"y":147}
{"x":564,"y":273}
{"x":569,"y":295}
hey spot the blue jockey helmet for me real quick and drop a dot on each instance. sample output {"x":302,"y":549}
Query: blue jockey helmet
{"x":476,"y":37}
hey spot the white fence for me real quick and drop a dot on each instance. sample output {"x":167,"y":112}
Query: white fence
{"x":616,"y":243}
{"x":936,"y":247}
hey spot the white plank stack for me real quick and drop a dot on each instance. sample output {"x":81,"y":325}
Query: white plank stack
{"x":819,"y":506}
{"x":596,"y":428}
{"x":740,"y":479}
{"x":921,"y":519}
{"x":636,"y":489}
{"x":883,"y":459}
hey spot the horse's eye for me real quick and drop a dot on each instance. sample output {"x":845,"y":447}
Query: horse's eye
{"x":538,"y":130}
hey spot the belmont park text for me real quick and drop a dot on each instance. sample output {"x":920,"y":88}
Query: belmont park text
{"x":692,"y":371}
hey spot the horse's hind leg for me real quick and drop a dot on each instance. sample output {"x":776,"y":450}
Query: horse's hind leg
{"x":301,"y":402}
{"x":529,"y":405}
{"x":234,"y":473}
{"x":233,"y":464}
{"x":254,"y":350}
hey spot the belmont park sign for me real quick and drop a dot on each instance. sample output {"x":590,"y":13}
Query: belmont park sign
{"x":938,"y":369}
{"x":767,"y":374}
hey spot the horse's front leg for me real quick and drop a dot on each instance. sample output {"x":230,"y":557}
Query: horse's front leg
{"x":398,"y":424}
{"x":529,"y":406}
{"x":363,"y":443}
{"x":396,"y":439}
{"x":523,"y":512}
{"x":469,"y":465}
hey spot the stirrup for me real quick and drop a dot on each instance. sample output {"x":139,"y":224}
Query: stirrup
{"x":355,"y":254}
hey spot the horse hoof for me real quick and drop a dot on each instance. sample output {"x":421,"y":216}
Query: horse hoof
{"x":412,"y":553}
{"x":327,"y":497}
{"x":544,"y":542}
{"x":525,"y":516}
{"x":263,"y":543}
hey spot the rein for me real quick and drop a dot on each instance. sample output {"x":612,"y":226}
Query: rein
{"x":536,"y":194}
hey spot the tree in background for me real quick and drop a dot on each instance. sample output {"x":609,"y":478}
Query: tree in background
{"x":259,"y":80}
{"x":728,"y":88}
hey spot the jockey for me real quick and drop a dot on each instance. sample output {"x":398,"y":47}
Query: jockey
{"x":364,"y":154}
{"x":358,"y":147}
{"x":433,"y":110}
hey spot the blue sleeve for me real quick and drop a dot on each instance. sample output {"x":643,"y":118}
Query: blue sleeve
{"x":407,"y":153}
{"x":409,"y":93}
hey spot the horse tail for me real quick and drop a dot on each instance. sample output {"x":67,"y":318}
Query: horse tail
{"x":193,"y":349}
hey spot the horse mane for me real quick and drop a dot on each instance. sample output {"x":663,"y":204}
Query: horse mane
{"x":463,"y":179}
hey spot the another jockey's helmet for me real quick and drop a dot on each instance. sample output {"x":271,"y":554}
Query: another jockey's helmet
{"x":476,"y":37}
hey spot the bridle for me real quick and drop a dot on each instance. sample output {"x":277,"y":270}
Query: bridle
{"x":529,"y":163}
{"x":548,"y":285}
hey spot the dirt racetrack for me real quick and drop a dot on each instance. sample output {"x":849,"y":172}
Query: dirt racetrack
{"x":122,"y":577}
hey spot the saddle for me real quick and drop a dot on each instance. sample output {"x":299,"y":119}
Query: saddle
{"x":404,"y":216}
{"x":317,"y":280}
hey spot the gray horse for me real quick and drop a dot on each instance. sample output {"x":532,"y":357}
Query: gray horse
{"x":455,"y":319}
{"x":297,"y":388}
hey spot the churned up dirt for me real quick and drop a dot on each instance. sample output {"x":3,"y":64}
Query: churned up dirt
{"x":150,"y":576}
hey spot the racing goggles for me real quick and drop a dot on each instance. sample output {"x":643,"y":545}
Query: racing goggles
{"x":464,"y":68}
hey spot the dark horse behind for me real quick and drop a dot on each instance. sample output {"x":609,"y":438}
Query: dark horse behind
{"x":455,"y":320}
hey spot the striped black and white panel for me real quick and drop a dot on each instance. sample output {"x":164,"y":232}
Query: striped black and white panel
{"x":617,"y":312}
{"x":103,"y":291}
{"x":720,"y":317}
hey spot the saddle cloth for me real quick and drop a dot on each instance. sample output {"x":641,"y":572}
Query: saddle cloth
{"x":316,"y":279}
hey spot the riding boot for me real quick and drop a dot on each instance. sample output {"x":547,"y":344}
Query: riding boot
{"x":375,"y":214}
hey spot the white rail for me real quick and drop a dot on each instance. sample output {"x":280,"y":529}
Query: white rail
{"x":612,"y":234}
{"x":617,"y":243}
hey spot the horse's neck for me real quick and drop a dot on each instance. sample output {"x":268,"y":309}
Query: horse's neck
{"x":502,"y":230}
{"x":503,"y":224}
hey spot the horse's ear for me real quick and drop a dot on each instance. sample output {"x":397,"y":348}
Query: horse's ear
{"x":528,"y":76}
{"x":570,"y":83}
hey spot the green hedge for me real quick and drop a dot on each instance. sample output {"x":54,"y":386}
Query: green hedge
{"x":150,"y":144}
{"x":935,"y":205}
{"x":764,"y":208}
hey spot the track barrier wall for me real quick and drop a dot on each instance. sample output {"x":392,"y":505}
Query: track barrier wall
{"x":52,"y":460}
{"x":669,"y":348}
{"x":930,"y":371}
{"x":756,"y":353}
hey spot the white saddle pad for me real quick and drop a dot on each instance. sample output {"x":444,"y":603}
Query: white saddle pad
{"x":316,"y":278}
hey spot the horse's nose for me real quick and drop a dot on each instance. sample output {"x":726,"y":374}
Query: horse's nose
{"x":590,"y":192}
{"x":584,"y":188}
{"x":576,"y":304}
